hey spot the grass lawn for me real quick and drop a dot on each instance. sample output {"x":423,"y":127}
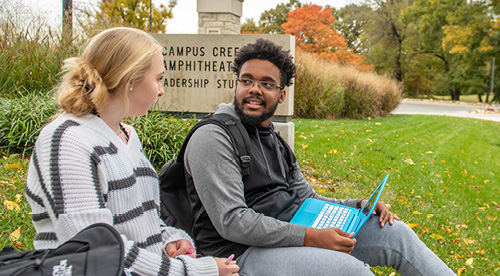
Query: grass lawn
{"x":463,"y":98}
{"x":444,"y":180}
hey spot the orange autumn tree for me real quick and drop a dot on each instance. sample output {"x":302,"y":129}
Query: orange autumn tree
{"x":314,"y":32}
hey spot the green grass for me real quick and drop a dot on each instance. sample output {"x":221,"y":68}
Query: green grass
{"x":444,"y":180}
{"x":12,"y":181}
{"x":463,"y":98}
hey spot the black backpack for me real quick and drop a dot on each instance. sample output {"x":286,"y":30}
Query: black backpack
{"x":175,"y":209}
{"x":95,"y":251}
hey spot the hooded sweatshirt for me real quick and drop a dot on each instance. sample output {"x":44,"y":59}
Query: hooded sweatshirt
{"x":254,"y":210}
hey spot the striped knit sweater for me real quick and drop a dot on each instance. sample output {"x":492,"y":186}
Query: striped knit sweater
{"x":82,"y":173}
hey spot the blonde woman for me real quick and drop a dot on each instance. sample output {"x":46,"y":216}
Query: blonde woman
{"x":88,"y":167}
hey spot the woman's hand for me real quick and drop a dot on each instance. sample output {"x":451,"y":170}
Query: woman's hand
{"x":230,"y":269}
{"x":180,"y":247}
{"x":384,"y":213}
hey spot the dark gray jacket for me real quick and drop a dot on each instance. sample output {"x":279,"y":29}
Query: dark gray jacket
{"x":244,"y":211}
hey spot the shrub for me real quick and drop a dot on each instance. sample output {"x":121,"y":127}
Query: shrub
{"x":31,"y":54}
{"x":317,"y":94}
{"x":161,"y":135}
{"x":22,"y":119}
{"x":328,"y":90}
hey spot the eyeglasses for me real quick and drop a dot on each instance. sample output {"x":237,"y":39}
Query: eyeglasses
{"x":264,"y":86}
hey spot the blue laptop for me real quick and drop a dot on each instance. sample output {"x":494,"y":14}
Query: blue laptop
{"x":317,"y":213}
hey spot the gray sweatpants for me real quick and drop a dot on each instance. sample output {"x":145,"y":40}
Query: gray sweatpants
{"x":394,"y":246}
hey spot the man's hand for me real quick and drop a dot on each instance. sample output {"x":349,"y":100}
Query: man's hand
{"x":180,"y":247}
{"x":330,"y":238}
{"x":384,"y":213}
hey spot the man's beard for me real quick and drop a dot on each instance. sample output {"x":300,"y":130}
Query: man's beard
{"x":253,"y":120}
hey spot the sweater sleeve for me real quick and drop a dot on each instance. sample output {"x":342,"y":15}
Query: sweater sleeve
{"x":211,"y":161}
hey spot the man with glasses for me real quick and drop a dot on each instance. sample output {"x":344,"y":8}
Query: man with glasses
{"x":248,"y":215}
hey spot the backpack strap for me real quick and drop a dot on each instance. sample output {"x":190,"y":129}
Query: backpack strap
{"x":240,"y":138}
{"x":236,"y":131}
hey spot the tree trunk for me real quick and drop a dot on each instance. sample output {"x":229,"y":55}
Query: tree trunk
{"x":455,"y":94}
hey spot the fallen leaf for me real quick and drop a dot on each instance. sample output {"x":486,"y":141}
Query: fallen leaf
{"x":416,"y":213}
{"x":490,"y":217}
{"x":482,"y":252}
{"x":430,"y":215}
{"x":469,"y":241}
{"x":11,"y":205}
{"x":412,"y":225}
{"x":321,"y":191}
{"x":18,"y":245}
{"x":459,"y":271}
{"x":18,"y":198}
{"x":409,"y":161}
{"x":436,"y":236}
{"x":13,"y":166}
{"x":304,"y":146}
{"x":14,"y":236}
{"x":469,"y":261}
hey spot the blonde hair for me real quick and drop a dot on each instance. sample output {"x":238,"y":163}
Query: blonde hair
{"x":114,"y":57}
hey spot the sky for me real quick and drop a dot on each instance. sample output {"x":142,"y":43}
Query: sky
{"x":185,"y":19}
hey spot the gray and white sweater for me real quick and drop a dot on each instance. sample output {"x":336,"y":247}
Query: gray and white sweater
{"x":82,"y":173}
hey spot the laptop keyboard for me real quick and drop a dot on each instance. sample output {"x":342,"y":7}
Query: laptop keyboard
{"x":331,"y":216}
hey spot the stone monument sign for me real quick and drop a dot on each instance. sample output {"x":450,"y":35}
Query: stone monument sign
{"x":198,"y":74}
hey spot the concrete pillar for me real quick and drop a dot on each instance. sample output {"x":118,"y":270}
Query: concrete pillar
{"x":219,"y":16}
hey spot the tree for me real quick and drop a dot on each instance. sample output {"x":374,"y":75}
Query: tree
{"x":314,"y":32}
{"x":131,"y":13}
{"x":351,"y":22}
{"x":424,"y":21}
{"x":472,"y":36}
{"x":384,"y":36}
{"x":249,"y":27}
{"x":270,"y":20}
{"x":453,"y":31}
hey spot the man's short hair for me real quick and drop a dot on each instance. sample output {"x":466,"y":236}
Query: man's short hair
{"x":267,"y":50}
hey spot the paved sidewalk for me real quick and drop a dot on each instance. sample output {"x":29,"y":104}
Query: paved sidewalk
{"x":464,"y":110}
